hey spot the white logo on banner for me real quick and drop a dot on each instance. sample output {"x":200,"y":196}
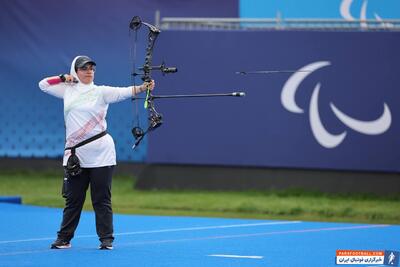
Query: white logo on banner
{"x":346,"y":14}
{"x":325,"y":138}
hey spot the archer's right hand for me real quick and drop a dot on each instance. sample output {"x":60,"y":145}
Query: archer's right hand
{"x":70,"y":79}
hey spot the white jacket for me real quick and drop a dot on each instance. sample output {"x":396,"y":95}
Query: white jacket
{"x":85,"y":110}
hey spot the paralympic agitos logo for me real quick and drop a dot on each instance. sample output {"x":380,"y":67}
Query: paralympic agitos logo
{"x":321,"y":134}
{"x":345,"y":7}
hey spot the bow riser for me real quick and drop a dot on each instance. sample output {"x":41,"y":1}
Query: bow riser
{"x":147,"y":68}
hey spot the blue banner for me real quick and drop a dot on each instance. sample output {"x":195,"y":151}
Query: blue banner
{"x":40,"y":38}
{"x":339,"y":111}
{"x":334,"y":9}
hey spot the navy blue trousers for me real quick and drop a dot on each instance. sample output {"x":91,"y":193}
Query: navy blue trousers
{"x":74,"y":191}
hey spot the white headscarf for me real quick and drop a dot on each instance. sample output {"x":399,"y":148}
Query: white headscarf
{"x":75,"y":75}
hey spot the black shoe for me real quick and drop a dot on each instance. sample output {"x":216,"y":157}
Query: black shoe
{"x":60,"y":244}
{"x":106,"y":244}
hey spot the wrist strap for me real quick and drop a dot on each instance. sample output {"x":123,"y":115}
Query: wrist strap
{"x":62,"y":77}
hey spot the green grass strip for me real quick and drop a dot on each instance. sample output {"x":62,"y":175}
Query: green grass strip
{"x":44,"y":189}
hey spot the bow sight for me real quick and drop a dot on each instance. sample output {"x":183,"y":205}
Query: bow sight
{"x":164,"y":69}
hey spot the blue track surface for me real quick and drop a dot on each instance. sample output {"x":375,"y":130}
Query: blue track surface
{"x":27,"y":231}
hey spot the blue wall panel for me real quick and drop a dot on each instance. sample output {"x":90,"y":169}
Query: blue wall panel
{"x":40,"y":38}
{"x":259,"y":130}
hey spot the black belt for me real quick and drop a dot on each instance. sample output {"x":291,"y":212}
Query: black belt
{"x":84,"y":142}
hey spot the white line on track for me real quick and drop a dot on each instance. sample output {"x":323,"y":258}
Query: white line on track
{"x":235,"y":256}
{"x":163,"y":231}
{"x":300,"y":231}
{"x":140,"y":243}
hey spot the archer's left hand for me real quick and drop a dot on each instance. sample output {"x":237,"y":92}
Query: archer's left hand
{"x":148,"y":86}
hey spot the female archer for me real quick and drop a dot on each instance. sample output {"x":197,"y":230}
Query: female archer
{"x":89,"y":156}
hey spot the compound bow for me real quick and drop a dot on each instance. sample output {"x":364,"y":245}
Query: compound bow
{"x":155,"y":118}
